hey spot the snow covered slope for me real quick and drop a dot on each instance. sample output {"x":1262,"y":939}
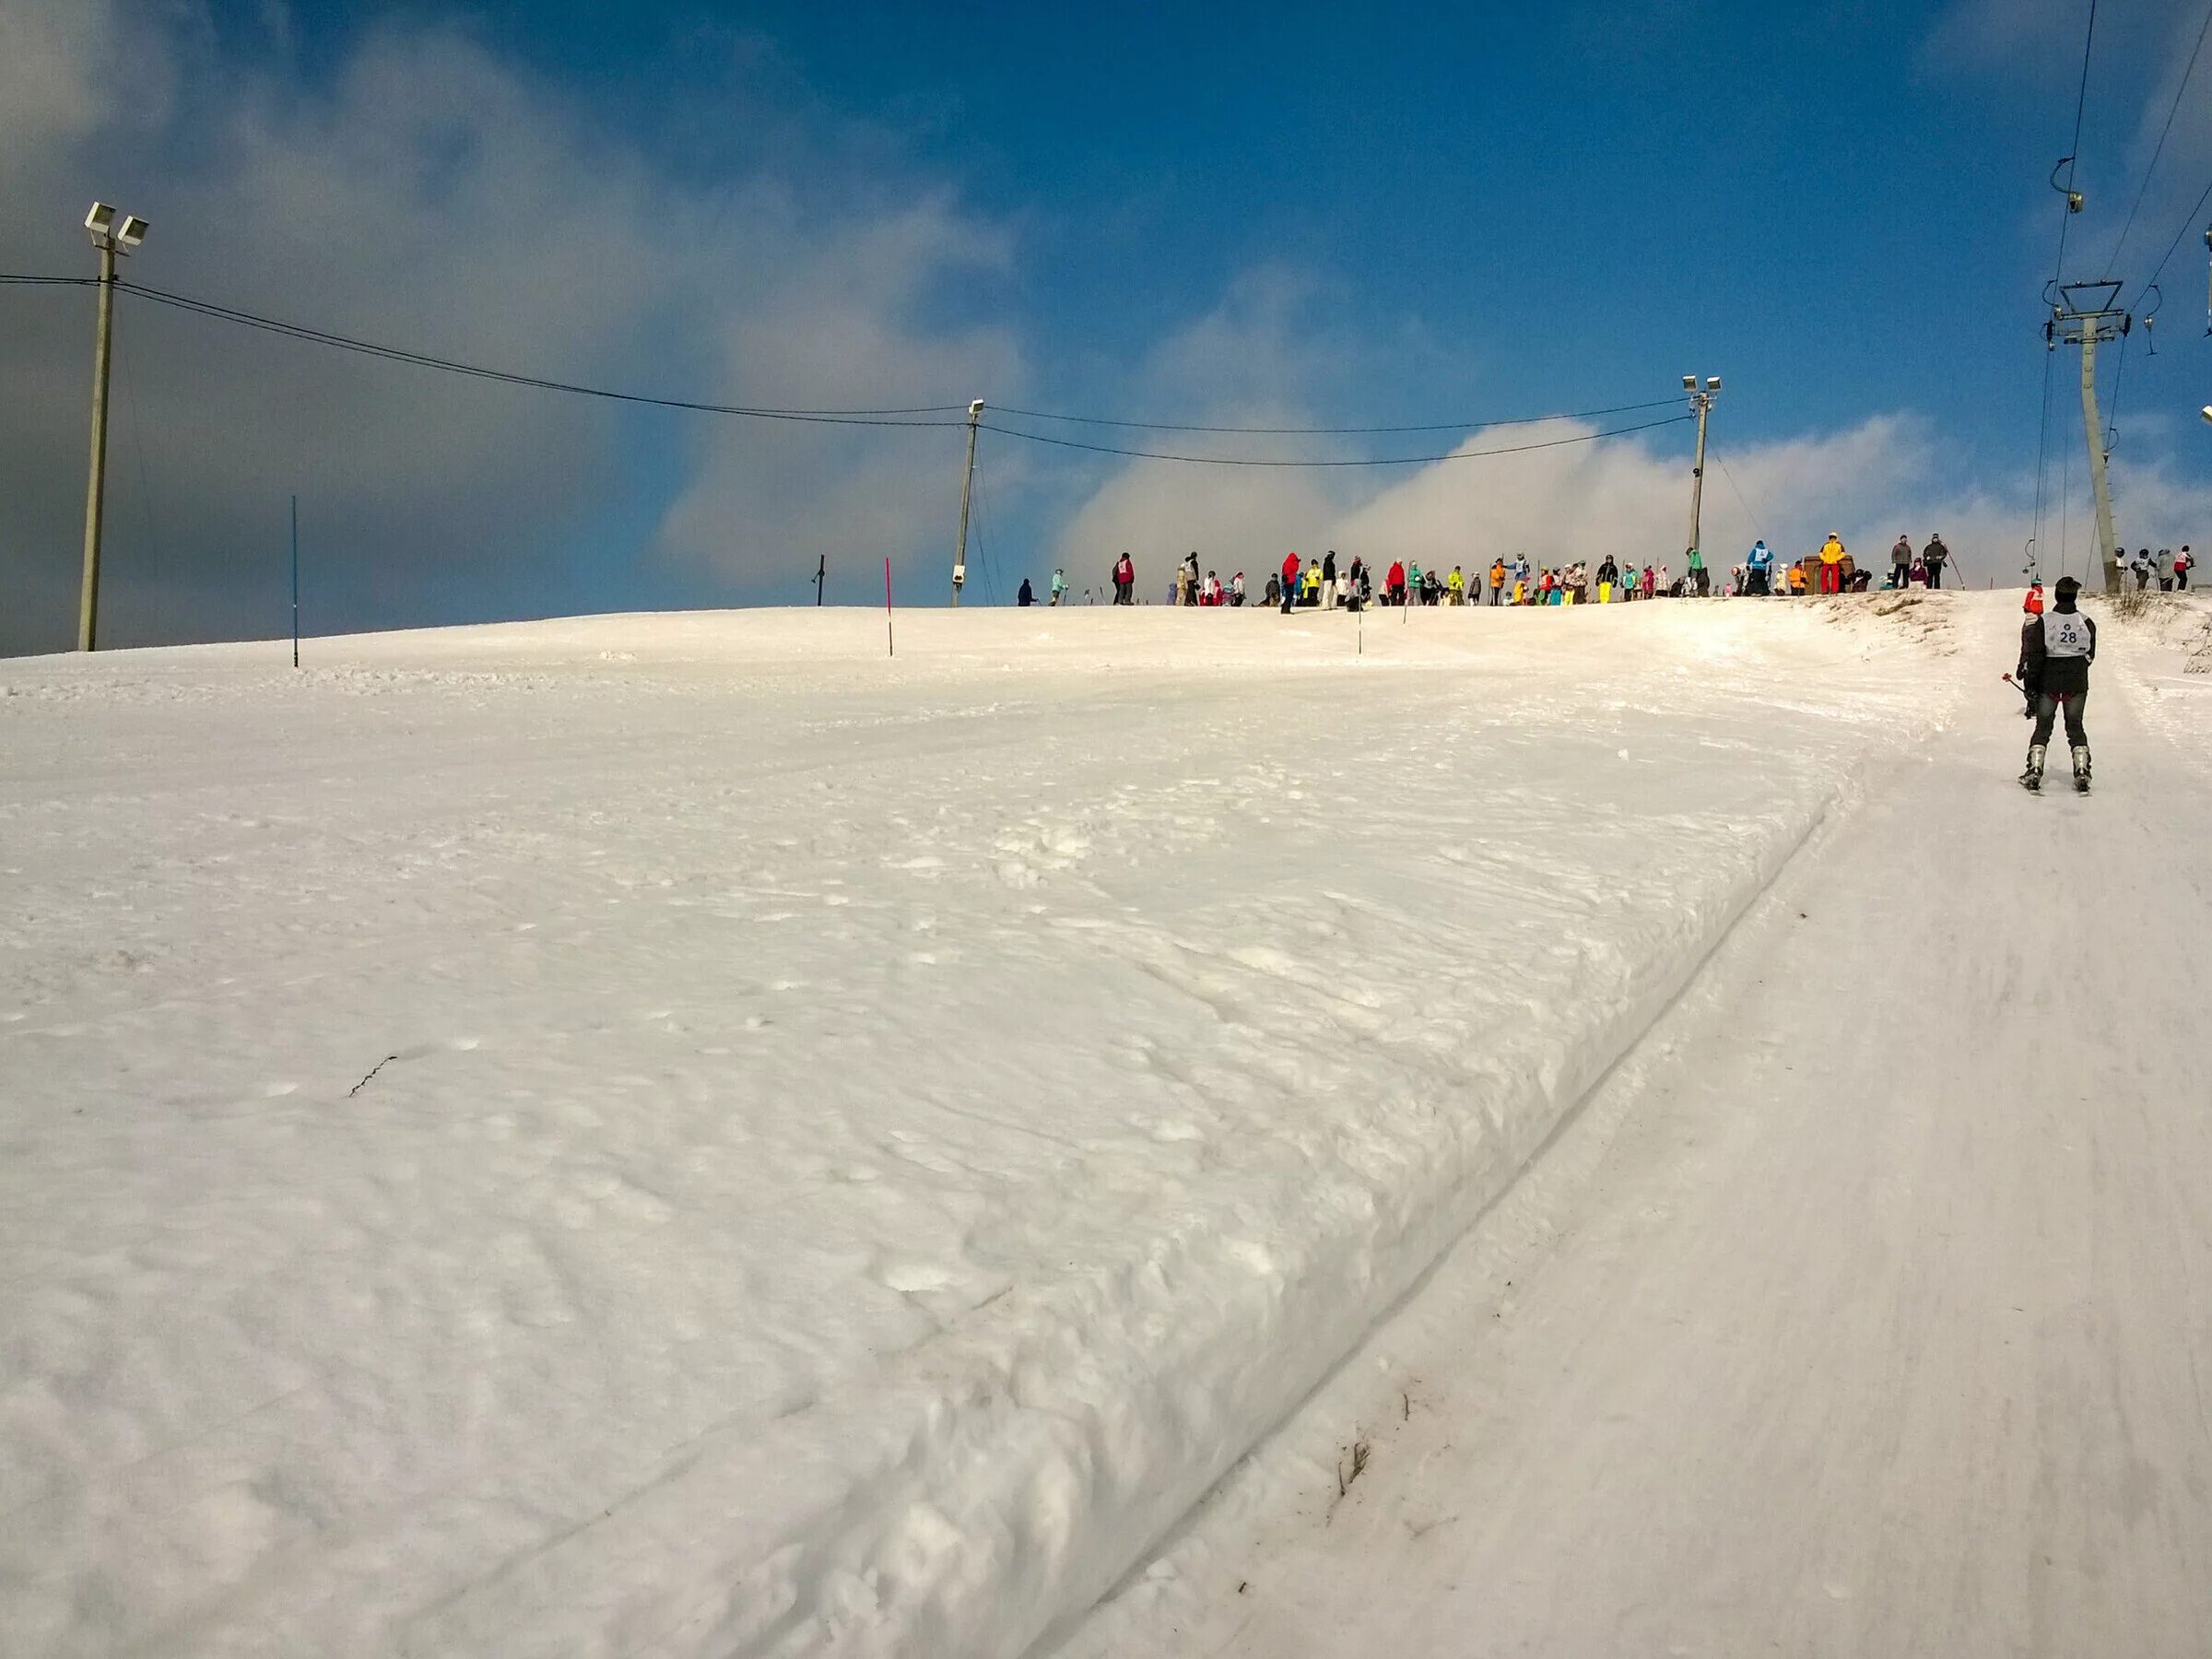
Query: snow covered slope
{"x":678,"y":1135}
{"x":1860,"y":1311}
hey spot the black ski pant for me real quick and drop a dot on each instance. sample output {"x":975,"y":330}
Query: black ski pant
{"x":2047,"y":705}
{"x":1934,"y":575}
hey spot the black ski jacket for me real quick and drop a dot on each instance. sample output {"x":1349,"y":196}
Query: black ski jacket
{"x":2041,"y":673}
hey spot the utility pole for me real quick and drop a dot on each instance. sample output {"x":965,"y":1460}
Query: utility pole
{"x":2085,"y":317}
{"x":1701,"y":401}
{"x":112,"y":239}
{"x":959,"y":557}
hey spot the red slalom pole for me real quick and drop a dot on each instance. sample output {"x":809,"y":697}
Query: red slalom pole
{"x":889,"y":641}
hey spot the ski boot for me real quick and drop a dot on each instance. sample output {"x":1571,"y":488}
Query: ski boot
{"x":2032,"y":779}
{"x":2081,"y":768}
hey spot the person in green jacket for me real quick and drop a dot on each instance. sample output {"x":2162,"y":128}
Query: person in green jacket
{"x":1697,"y":578}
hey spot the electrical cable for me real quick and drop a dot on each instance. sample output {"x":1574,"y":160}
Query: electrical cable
{"x":132,"y":430}
{"x":1716,"y":456}
{"x":2143,"y":188}
{"x":1440,"y":425}
{"x":920,"y":416}
{"x":426,"y":361}
{"x":1516,"y":449}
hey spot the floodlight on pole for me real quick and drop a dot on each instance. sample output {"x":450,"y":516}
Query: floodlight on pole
{"x":1703,"y":402}
{"x":112,"y":240}
{"x":960,"y":556}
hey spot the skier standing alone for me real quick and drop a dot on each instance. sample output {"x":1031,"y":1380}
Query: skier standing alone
{"x":2056,"y":650}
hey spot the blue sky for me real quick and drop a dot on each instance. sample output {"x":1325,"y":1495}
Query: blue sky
{"x":1290,"y":215}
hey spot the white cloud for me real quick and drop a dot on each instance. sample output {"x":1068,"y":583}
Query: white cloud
{"x":436,"y":195}
{"x":1631,"y":498}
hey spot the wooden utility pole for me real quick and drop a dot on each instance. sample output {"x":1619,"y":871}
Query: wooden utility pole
{"x":959,"y":557}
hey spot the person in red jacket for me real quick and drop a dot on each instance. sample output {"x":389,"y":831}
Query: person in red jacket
{"x":2034,"y":604}
{"x":1395,"y":581}
{"x":1289,"y":581}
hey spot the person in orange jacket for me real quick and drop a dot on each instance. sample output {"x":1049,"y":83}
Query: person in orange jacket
{"x":2034,"y":604}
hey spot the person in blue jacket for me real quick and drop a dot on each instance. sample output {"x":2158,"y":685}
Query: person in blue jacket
{"x":1761,"y":567}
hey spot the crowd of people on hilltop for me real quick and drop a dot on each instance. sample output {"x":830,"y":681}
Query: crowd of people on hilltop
{"x":2167,"y":569}
{"x":1330,"y":582}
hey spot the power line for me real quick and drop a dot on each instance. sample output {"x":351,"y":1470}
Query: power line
{"x":921,"y":416}
{"x":1516,"y":449}
{"x":321,"y":336}
{"x":1740,"y":501}
{"x":1439,"y":426}
{"x":2143,"y":188}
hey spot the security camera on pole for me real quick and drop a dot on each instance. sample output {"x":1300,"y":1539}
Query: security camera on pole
{"x":113,"y":234}
{"x":1701,"y":401}
{"x":959,"y":557}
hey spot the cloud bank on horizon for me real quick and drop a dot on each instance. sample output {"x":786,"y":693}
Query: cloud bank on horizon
{"x":431,"y":191}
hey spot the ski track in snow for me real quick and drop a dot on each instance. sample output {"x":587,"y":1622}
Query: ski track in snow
{"x":1859,"y":1310}
{"x":666,"y":1134}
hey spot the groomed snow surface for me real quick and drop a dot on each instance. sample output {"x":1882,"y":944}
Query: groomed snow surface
{"x":681,"y":1136}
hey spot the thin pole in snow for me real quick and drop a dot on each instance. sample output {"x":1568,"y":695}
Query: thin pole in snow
{"x":820,"y":571}
{"x":890,"y":643}
{"x":295,"y":582}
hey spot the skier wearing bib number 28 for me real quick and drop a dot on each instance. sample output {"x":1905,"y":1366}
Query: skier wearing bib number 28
{"x":2056,"y":650}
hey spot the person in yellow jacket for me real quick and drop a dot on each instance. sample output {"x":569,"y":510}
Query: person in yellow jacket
{"x":1832,"y":564}
{"x":1797,"y":581}
{"x":1456,"y":588}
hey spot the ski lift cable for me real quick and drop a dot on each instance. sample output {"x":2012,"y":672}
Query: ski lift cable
{"x":2144,"y":188}
{"x":2189,"y":219}
{"x":2081,"y":102}
{"x":2058,"y":269}
{"x":2111,"y":420}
